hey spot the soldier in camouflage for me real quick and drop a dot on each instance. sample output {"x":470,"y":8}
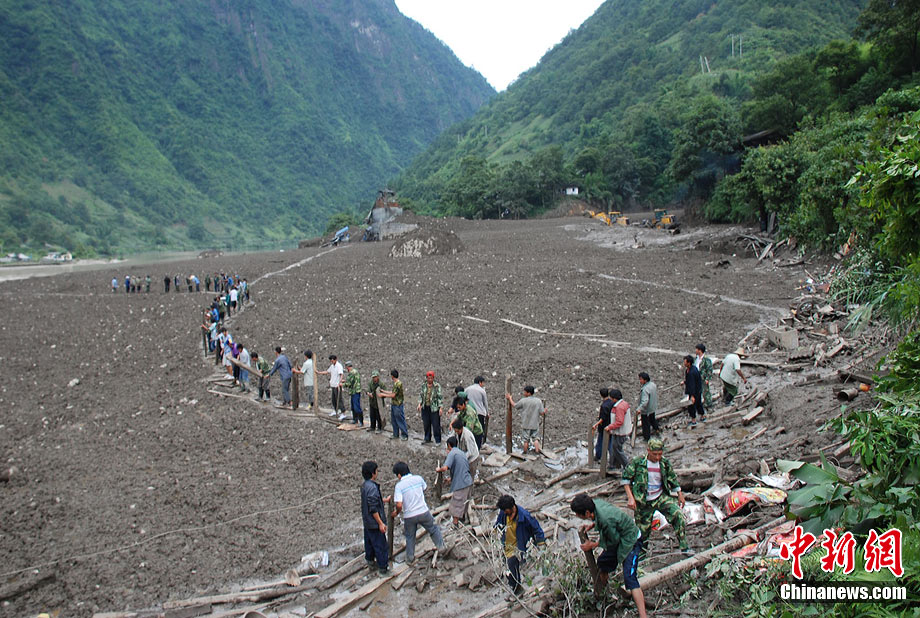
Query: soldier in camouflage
{"x":649,"y":481}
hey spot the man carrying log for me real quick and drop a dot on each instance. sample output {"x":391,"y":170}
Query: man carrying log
{"x":620,"y":539}
{"x":649,"y":482}
{"x":519,"y":529}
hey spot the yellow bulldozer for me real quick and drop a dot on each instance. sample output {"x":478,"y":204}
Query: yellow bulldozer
{"x":616,"y":217}
{"x":665,"y":221}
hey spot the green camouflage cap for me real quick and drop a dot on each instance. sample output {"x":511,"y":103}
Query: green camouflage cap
{"x":656,"y":444}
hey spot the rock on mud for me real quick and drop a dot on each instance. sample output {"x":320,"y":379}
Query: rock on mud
{"x":422,"y":243}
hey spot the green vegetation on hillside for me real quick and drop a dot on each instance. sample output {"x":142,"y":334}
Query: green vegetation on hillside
{"x":625,"y":99}
{"x":129,"y":126}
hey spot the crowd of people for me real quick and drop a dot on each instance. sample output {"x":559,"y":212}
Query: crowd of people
{"x":220,"y":282}
{"x":649,"y":480}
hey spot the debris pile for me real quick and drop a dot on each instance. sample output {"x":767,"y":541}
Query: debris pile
{"x":421,"y":243}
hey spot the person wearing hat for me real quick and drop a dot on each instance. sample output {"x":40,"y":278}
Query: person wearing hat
{"x":353,"y":384}
{"x":468,"y":414}
{"x":649,"y":481}
{"x":429,"y":406}
{"x":731,"y":376}
{"x":376,"y":424}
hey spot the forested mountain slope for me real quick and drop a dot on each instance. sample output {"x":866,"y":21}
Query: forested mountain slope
{"x":615,"y":91}
{"x":134,"y":125}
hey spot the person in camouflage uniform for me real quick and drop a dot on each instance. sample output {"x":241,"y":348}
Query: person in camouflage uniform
{"x":649,"y":481}
{"x":376,"y":423}
{"x":704,"y":364}
{"x":429,"y":406}
{"x":467,"y":411}
{"x":353,"y":385}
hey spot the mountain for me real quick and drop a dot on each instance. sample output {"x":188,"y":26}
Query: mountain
{"x":609,"y":100}
{"x":150,"y":125}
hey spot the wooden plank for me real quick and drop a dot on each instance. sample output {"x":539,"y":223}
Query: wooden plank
{"x":752,"y":415}
{"x":524,"y":326}
{"x":605,"y":445}
{"x":355,"y":597}
{"x":508,"y":415}
{"x":401,"y":580}
{"x":757,"y":433}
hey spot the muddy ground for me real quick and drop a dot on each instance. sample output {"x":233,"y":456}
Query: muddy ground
{"x":133,"y":485}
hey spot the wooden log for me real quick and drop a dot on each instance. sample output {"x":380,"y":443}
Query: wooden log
{"x":295,"y":395}
{"x":315,"y":387}
{"x":349,"y":568}
{"x":390,"y":520}
{"x":561,"y":477}
{"x":16,"y":588}
{"x":508,"y":415}
{"x":657,"y":578}
{"x":237,"y":597}
{"x":752,"y":415}
{"x":495,"y":477}
{"x":355,"y":597}
{"x":439,"y":483}
{"x":848,"y":376}
{"x":591,"y":445}
{"x":604,"y":447}
{"x":757,"y":433}
{"x":401,"y":580}
{"x":671,"y":412}
{"x":589,"y":557}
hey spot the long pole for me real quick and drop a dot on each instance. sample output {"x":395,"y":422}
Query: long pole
{"x":589,"y":556}
{"x":508,"y":415}
{"x":315,"y":387}
{"x":390,"y":518}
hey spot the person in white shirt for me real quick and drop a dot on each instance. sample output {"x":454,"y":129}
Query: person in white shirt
{"x":480,"y":400}
{"x":307,"y":370}
{"x":731,"y":377}
{"x":409,"y":500}
{"x":335,"y":373}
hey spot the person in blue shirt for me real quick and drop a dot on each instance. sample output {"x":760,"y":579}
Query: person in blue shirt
{"x":283,"y":367}
{"x":519,"y":529}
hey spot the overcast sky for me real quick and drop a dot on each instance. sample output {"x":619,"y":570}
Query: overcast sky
{"x":499,"y":38}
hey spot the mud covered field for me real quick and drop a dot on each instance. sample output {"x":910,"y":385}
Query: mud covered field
{"x":133,"y":485}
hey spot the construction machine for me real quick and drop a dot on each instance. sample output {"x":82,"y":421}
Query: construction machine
{"x":617,"y":217}
{"x":664,"y":221}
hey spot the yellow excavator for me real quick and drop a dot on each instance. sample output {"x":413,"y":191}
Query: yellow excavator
{"x":602,"y":216}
